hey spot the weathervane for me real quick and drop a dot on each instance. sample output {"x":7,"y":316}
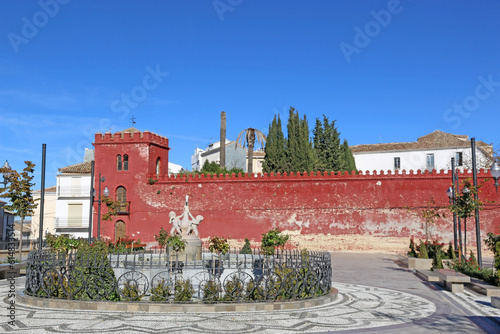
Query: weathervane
{"x":132,"y":120}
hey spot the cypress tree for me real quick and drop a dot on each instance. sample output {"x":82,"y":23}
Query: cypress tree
{"x":299,"y":149}
{"x":292,"y":147}
{"x":327,"y":146}
{"x":349,"y":164}
{"x":306,"y":150}
{"x":275,"y":159}
{"x":319,"y":146}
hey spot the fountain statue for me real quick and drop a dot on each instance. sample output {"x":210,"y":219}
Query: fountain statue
{"x":188,"y":229}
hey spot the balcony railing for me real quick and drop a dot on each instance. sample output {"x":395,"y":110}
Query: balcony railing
{"x":123,"y":208}
{"x":74,"y":192}
{"x":72,"y":222}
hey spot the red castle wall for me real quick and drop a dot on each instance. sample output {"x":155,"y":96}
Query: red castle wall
{"x":331,"y":212}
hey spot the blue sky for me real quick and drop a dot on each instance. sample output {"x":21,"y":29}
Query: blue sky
{"x":387,"y":71}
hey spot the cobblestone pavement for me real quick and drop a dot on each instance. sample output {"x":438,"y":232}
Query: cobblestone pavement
{"x":375,"y":295}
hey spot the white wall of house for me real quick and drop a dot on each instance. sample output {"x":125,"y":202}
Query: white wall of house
{"x":418,"y":159}
{"x":235,"y":157}
{"x":73,"y":204}
{"x":49,"y":214}
{"x":174,"y":168}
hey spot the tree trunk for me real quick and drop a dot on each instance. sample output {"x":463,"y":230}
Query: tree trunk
{"x":21,"y":241}
{"x":223,"y":140}
{"x":465,"y":237}
{"x":251,"y":143}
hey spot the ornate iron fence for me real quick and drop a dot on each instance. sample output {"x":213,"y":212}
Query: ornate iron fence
{"x":162,"y":277}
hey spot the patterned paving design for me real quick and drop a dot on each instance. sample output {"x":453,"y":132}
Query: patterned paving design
{"x":357,"y":307}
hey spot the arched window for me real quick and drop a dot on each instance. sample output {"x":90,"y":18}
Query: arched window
{"x":158,"y":165}
{"x":121,"y":194}
{"x":125,"y":162}
{"x":118,"y":162}
{"x":120,"y":230}
{"x":121,"y":198}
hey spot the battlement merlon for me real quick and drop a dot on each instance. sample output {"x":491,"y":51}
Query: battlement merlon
{"x":130,"y":137}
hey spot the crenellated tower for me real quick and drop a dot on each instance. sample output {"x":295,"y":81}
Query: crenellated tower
{"x":124,"y":159}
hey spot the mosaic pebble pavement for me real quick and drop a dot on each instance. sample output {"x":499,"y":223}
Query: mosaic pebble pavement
{"x":356,"y":307}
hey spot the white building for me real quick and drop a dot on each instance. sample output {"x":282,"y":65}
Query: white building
{"x":49,"y":212}
{"x":236,"y":157}
{"x":433,"y":151}
{"x":174,"y":168}
{"x":7,"y":219}
{"x":73,"y":200}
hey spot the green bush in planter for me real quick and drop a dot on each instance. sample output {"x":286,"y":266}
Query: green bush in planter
{"x":422,"y":251}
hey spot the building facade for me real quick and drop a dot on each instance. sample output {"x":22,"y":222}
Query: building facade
{"x":49,"y":212}
{"x":128,"y":160}
{"x":7,"y":220}
{"x":364,"y":212}
{"x":73,"y":200}
{"x":236,"y":157}
{"x":433,"y":151}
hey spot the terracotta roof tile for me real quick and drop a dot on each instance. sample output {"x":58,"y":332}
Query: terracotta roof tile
{"x":435,"y":140}
{"x":82,"y":168}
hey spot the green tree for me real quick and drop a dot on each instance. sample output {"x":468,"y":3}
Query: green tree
{"x":299,"y":150}
{"x":465,"y":207}
{"x":349,"y":164}
{"x":275,"y":158}
{"x":222,"y":140}
{"x":327,"y":146}
{"x":214,"y":168}
{"x":248,"y":137}
{"x":19,"y":193}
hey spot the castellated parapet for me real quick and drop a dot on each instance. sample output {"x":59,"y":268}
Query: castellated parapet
{"x":313,"y":176}
{"x":130,"y":137}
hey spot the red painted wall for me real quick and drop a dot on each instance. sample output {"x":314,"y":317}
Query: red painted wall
{"x":332,"y":212}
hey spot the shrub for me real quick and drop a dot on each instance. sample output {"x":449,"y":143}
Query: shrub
{"x":422,"y":251}
{"x":183,"y":291}
{"x":218,"y":245}
{"x":497,"y":256}
{"x":493,"y":242}
{"x":412,"y":251}
{"x":160,"y":291}
{"x":470,"y":268}
{"x":176,"y":243}
{"x":211,"y":291}
{"x":162,"y":236}
{"x":246,"y":249}
{"x":271,"y":240}
{"x":473,"y":259}
{"x":131,"y":291}
{"x":451,"y":252}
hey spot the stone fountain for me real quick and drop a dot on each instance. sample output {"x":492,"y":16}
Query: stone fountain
{"x":186,"y":226}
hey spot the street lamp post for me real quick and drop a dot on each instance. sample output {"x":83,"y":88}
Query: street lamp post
{"x":5,"y":166}
{"x":451,"y":196}
{"x":466,"y":193}
{"x":106,"y":194}
{"x":495,"y":173}
{"x":476,"y":199}
{"x":453,"y":202}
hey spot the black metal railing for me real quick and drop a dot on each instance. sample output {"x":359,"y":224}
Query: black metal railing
{"x":158,"y":276}
{"x":27,"y":244}
{"x":123,"y":208}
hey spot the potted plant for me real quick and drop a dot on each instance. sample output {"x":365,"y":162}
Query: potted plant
{"x":418,"y":257}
